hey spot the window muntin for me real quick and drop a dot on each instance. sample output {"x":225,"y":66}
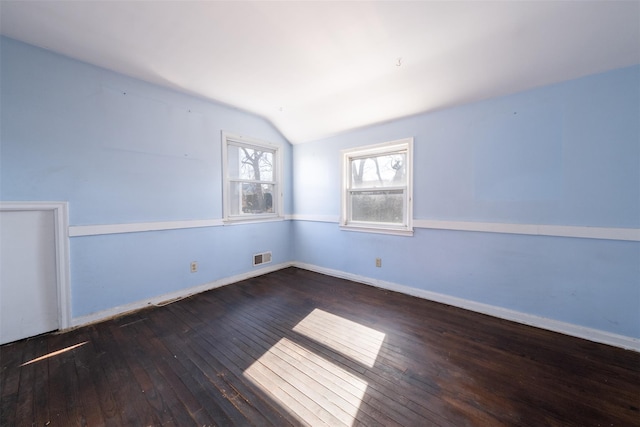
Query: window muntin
{"x":377,"y":188}
{"x":251,"y":179}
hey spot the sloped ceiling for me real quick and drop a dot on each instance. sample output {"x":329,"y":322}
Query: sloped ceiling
{"x":315,"y":69}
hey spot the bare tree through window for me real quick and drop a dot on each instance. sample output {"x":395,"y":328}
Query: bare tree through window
{"x":250,"y":179}
{"x":256,"y":165}
{"x":377,"y":186}
{"x":376,"y":173}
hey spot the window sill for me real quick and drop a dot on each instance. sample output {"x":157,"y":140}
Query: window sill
{"x":378,"y":230}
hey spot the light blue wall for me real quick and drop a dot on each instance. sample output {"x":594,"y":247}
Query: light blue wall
{"x":567,"y":154}
{"x":112,"y":270}
{"x":123,"y":151}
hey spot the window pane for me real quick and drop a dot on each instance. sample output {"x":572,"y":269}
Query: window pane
{"x":250,"y":163}
{"x":378,"y":206}
{"x":250,"y":198}
{"x":379,"y":171}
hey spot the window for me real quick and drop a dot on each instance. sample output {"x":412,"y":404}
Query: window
{"x":251,"y":179}
{"x":377,"y":188}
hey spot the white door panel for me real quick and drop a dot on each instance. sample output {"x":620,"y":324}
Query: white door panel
{"x":28,"y":279}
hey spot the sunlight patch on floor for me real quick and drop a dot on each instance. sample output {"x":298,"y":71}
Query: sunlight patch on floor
{"x":307,"y":382}
{"x":310,"y":387}
{"x":349,"y":338}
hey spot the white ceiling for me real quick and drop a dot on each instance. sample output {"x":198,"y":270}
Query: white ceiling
{"x":315,"y":69}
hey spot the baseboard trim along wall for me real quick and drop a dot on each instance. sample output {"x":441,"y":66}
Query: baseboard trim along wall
{"x":168,"y":298}
{"x":570,"y":329}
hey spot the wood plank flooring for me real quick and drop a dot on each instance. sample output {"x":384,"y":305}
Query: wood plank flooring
{"x":299,"y":348}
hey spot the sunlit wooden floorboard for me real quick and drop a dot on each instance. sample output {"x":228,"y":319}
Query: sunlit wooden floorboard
{"x":299,"y":382}
{"x":342,"y":335}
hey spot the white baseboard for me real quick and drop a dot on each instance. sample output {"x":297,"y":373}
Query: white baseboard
{"x":565,"y":328}
{"x":172,"y":296}
{"x":570,"y":329}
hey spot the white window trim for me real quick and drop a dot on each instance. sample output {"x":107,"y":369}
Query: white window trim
{"x":372,"y":227}
{"x":278,"y":215}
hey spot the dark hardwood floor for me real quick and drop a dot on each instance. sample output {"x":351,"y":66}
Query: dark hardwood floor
{"x":299,"y":348}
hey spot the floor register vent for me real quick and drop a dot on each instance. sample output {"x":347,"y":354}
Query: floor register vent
{"x":262,"y":258}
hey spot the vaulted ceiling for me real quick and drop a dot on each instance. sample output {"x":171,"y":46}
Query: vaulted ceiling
{"x":315,"y":69}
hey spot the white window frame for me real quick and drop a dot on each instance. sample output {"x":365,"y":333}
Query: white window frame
{"x":406,"y":228}
{"x":243,"y":141}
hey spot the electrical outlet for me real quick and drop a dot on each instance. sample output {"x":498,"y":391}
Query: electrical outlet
{"x":378,"y":262}
{"x":194,"y":266}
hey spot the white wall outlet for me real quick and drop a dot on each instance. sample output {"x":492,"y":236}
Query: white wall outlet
{"x":378,"y":262}
{"x":194,"y":267}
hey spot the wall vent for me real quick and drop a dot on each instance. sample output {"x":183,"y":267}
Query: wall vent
{"x":262,"y":258}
